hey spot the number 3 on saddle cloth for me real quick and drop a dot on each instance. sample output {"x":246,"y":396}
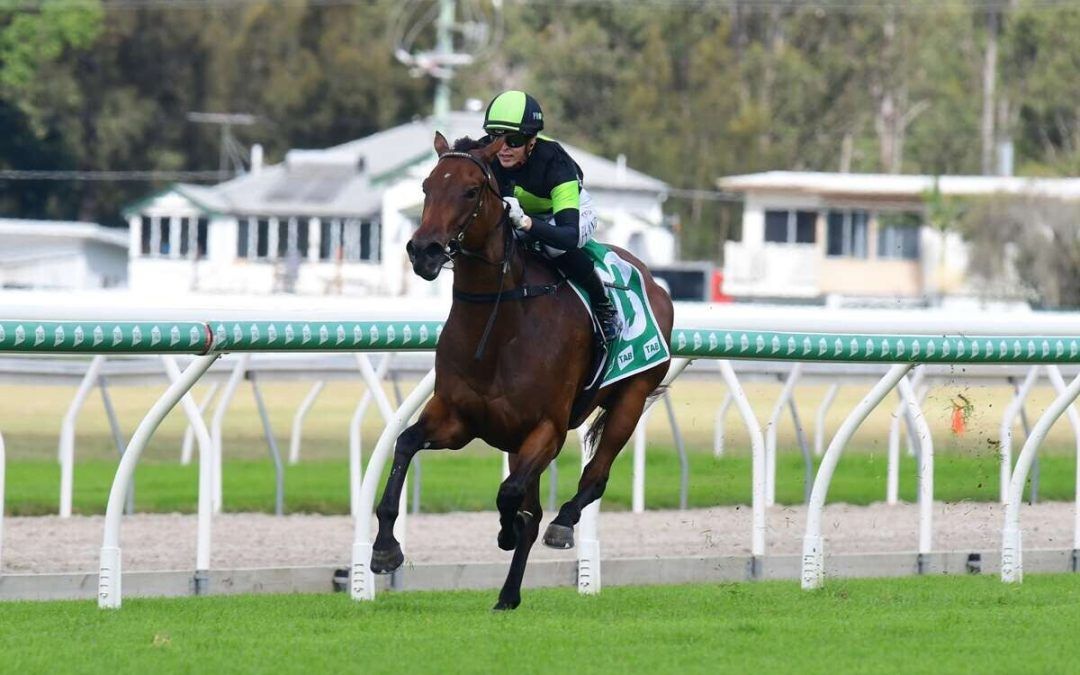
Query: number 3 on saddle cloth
{"x":641,"y":345}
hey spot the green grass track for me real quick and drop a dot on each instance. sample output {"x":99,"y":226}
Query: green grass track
{"x":919,"y":625}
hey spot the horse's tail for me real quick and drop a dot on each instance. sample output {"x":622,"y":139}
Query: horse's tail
{"x":597,"y":427}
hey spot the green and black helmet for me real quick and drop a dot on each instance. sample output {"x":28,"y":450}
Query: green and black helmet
{"x":514,"y":111}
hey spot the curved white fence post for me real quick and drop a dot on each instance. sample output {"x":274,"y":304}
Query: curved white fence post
{"x":1054,"y":373}
{"x":926,"y":469}
{"x":922,"y":391}
{"x":219,"y":419}
{"x":902,"y":415}
{"x":373,"y":381}
{"x":206,"y":450}
{"x":719,"y":426}
{"x":298,"y":420}
{"x":109,"y":575}
{"x":637,"y":493}
{"x":1012,"y":566}
{"x":813,"y":559}
{"x":588,"y":545}
{"x":67,"y":434}
{"x":770,"y":432}
{"x":916,"y":376}
{"x":356,"y":436}
{"x":1005,"y":434}
{"x":362,"y":584}
{"x":892,"y":457}
{"x":822,"y":412}
{"x":637,"y":478}
{"x":187,"y":449}
{"x":757,"y":449}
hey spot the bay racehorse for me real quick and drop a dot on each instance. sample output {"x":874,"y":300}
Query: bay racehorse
{"x":510,"y":363}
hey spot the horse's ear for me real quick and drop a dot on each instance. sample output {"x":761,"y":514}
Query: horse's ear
{"x":488,"y":152}
{"x":441,"y":146}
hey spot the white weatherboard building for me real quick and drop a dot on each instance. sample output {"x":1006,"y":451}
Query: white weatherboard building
{"x":335,"y":221}
{"x":50,"y":254}
{"x":808,"y":235}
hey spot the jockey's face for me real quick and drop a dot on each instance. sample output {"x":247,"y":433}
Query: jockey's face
{"x":512,"y":158}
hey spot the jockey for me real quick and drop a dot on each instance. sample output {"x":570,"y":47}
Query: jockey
{"x":542,"y":186}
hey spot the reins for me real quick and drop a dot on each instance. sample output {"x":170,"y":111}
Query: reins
{"x":456,"y":246}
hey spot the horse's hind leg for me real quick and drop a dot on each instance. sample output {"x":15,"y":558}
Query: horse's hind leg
{"x":437,"y":427}
{"x":622,"y":418}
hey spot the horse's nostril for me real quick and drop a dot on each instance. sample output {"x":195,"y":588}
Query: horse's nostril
{"x":434,"y":249}
{"x":410,"y":250}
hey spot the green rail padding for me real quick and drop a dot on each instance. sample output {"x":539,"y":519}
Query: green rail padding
{"x":104,"y":337}
{"x":762,"y":345}
{"x":317,"y":336}
{"x":188,"y":337}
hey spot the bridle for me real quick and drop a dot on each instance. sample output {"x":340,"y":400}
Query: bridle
{"x":456,"y":244}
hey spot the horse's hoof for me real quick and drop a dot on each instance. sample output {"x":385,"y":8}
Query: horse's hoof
{"x":506,"y":605}
{"x":386,"y":561}
{"x":508,"y":539}
{"x":559,"y":536}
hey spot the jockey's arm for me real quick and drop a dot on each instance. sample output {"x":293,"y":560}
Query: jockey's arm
{"x":561,"y":231}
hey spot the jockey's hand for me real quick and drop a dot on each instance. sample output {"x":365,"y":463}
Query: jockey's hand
{"x":517,"y":214}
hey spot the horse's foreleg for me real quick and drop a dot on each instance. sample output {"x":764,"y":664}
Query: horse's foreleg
{"x":622,"y":419}
{"x":436,"y":428}
{"x":527,"y":527}
{"x":519,"y":506}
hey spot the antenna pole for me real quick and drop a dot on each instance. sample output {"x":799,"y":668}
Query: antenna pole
{"x":444,"y":47}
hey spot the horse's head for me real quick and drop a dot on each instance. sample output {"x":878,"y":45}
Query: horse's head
{"x":455,"y":195}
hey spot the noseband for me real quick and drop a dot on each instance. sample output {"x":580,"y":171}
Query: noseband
{"x":456,"y":244}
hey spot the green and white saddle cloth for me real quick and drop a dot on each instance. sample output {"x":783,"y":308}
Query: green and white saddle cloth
{"x":641,"y":345}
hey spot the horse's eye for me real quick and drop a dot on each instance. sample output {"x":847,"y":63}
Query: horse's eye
{"x":471,"y":193}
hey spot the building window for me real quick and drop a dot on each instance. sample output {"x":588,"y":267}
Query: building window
{"x":144,"y":235}
{"x":790,"y":227}
{"x":193,"y":237}
{"x":349,"y":240}
{"x":847,"y":233}
{"x":273,"y":238}
{"x":202,"y":237}
{"x":165,"y":239}
{"x":262,"y":238}
{"x":173,"y":237}
{"x":898,"y":236}
{"x":242,"y":238}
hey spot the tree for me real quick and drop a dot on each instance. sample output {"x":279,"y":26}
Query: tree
{"x":29,"y":39}
{"x":1026,"y":244}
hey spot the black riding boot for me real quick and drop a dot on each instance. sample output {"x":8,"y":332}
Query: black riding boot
{"x":578,"y":267}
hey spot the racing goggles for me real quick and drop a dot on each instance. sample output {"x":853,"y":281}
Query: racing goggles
{"x":514,"y":139}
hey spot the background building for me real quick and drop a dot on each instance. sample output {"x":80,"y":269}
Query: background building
{"x":44,"y":254}
{"x":808,"y":235}
{"x":336,"y":220}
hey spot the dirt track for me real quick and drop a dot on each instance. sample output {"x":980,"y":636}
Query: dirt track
{"x":161,"y":542}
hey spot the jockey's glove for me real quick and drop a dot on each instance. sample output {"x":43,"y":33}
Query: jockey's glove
{"x":517,"y":214}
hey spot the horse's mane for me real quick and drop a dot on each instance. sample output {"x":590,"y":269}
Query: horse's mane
{"x":466,"y":144}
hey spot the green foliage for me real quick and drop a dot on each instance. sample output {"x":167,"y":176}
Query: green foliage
{"x":29,"y":39}
{"x":1026,"y":247}
{"x":943,"y":213}
{"x":688,"y":92}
